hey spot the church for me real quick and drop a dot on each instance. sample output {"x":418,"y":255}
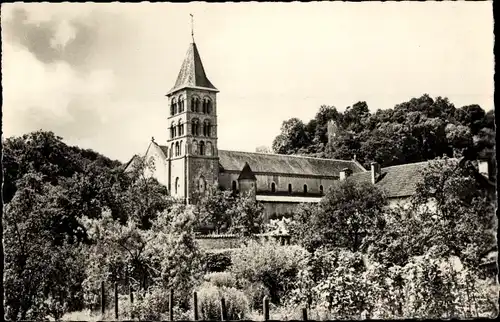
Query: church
{"x":190,"y":160}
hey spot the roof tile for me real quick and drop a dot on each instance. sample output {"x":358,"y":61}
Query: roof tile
{"x":284,"y":164}
{"x":192,"y":73}
{"x":396,"y":181}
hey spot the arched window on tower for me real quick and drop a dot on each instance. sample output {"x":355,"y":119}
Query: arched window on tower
{"x":181,"y":104}
{"x":172,"y":130}
{"x":193,"y":104}
{"x":197,"y":109}
{"x":179,"y":128}
{"x":204,"y":106}
{"x":174,"y":104}
{"x":273,"y":187}
{"x":202,"y":148}
{"x":194,"y":149}
{"x":305,"y":188}
{"x":206,"y":128}
{"x":321,"y":189}
{"x":209,"y":106}
{"x":290,"y":188}
{"x":195,"y":127}
{"x":176,"y":184}
{"x":180,"y":147}
{"x":176,"y":148}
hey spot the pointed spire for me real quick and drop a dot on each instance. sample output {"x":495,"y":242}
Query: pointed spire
{"x":247,"y":173}
{"x":192,"y":73}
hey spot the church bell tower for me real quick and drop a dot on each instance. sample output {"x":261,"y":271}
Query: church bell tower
{"x":192,"y":125}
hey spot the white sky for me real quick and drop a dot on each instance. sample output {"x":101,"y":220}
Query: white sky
{"x":96,"y":74}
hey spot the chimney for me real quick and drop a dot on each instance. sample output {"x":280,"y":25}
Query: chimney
{"x":375,"y":171}
{"x":483,"y":168}
{"x":345,"y":173}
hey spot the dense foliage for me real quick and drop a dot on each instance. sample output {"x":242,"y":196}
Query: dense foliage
{"x":418,"y":130}
{"x":50,"y":191}
{"x":74,"y":218}
{"x":223,"y":211}
{"x":348,"y":212}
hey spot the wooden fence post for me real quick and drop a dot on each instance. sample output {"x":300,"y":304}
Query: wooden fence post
{"x":116,"y":301}
{"x":195,"y":306}
{"x":265,"y":308}
{"x":223,"y":310}
{"x":304,"y":314}
{"x":171,"y":305}
{"x":131,"y":291}
{"x":103,"y":299}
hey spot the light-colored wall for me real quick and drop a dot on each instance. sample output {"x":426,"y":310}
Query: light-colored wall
{"x":160,"y":172}
{"x":278,"y":209}
{"x":178,"y":167}
{"x":405,"y":203}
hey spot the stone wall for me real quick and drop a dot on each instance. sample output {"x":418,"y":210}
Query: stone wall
{"x":206,"y":167}
{"x":228,"y":241}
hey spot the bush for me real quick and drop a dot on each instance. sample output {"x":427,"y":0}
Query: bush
{"x":221,"y":279}
{"x":209,"y":296}
{"x":151,"y":305}
{"x":274,"y":266}
{"x":256,"y":292}
{"x":216,"y":262}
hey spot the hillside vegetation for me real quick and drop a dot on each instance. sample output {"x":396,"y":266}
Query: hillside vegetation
{"x":418,"y":130}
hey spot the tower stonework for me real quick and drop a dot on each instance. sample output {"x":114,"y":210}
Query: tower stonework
{"x":192,"y":126}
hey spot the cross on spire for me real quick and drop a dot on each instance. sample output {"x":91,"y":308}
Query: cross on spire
{"x":192,"y":26}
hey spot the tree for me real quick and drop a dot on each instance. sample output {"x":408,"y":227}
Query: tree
{"x":175,"y":253}
{"x":354,"y":117}
{"x":43,"y":272}
{"x":214,"y":208}
{"x":292,"y":137}
{"x":420,"y":129}
{"x":246,"y":215}
{"x":145,"y":197}
{"x":347,"y":213}
{"x":275,"y":266}
{"x":165,"y":255}
{"x":451,"y":209}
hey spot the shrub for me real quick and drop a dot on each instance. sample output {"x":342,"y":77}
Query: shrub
{"x":216,"y":262}
{"x":221,"y":279}
{"x":274,"y":266}
{"x":255,"y":293}
{"x":151,"y":305}
{"x":209,"y":296}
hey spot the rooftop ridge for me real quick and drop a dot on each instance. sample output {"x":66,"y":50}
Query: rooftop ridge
{"x":289,"y":155}
{"x":417,"y":163}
